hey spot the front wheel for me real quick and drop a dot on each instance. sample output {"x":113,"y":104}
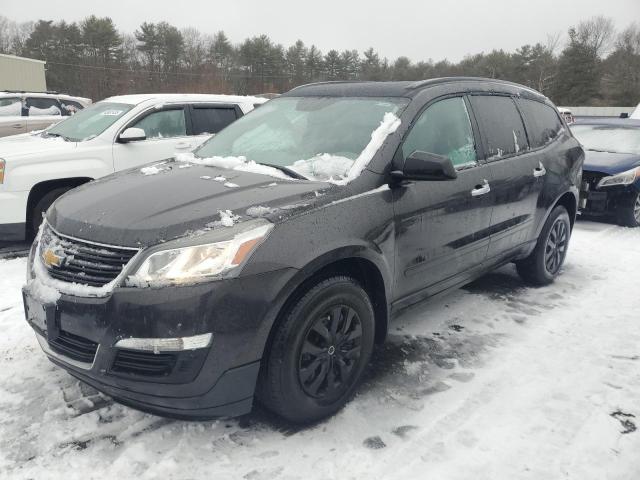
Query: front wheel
{"x":629,"y":214}
{"x":543,"y":265}
{"x":319,"y":351}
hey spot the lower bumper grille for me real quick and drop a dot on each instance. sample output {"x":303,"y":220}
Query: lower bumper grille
{"x":72,"y":346}
{"x":143,"y":363}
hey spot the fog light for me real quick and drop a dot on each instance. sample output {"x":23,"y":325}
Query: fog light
{"x":158,"y":345}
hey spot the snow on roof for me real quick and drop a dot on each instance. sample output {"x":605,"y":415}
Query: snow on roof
{"x":183,"y":97}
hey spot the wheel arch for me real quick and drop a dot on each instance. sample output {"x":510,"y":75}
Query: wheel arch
{"x":40,"y":189}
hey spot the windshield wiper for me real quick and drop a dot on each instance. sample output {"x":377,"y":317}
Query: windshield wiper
{"x":49,"y":134}
{"x":287,"y":170}
{"x":601,"y":151}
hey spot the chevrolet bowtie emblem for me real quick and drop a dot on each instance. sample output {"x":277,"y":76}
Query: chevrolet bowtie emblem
{"x":51,"y":259}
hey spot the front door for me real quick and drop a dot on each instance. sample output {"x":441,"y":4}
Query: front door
{"x":442,"y":227}
{"x":513,"y":169}
{"x":167,"y":134}
{"x":11,"y":120}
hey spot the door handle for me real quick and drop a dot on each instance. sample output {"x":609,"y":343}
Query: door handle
{"x":17,"y":125}
{"x":183,"y":145}
{"x":539,"y":171}
{"x":481,"y":189}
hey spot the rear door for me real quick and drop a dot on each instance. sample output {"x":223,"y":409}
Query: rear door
{"x":167,"y":129}
{"x":12,"y":120}
{"x":42,"y":112}
{"x":207,"y":119}
{"x":442,"y":227}
{"x":513,"y":169}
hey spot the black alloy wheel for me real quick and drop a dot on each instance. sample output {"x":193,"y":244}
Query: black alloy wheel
{"x":330,"y":352}
{"x":556,"y":247}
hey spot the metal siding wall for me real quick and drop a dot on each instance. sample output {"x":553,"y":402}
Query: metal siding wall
{"x":21,"y":74}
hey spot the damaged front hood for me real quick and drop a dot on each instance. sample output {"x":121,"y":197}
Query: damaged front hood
{"x":609,"y":162}
{"x":172,"y":200}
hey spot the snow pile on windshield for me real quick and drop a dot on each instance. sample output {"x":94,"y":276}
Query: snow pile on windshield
{"x":232,"y":163}
{"x":341,"y":170}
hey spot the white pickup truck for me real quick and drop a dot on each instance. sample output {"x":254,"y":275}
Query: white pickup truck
{"x":114,"y":134}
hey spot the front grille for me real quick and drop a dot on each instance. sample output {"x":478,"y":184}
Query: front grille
{"x":591,"y":179}
{"x":143,"y":363}
{"x":77,"y":261}
{"x":75,"y":347}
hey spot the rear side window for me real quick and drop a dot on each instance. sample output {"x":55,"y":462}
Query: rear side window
{"x":207,"y":119}
{"x":42,"y":106}
{"x":444,"y":129}
{"x":543,"y":123}
{"x":69,"y":107}
{"x":500,"y":125}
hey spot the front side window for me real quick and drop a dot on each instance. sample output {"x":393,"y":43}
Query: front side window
{"x":10,"y":107}
{"x":608,"y":138}
{"x":320,"y":138}
{"x":37,"y":107}
{"x":500,"y":125}
{"x":543,"y":123}
{"x":164,"y":124}
{"x":90,"y":122}
{"x":444,"y":129}
{"x":210,"y":120}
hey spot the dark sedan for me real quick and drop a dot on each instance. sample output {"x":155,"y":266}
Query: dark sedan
{"x":611,"y":175}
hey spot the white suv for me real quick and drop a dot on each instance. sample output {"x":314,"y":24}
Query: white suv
{"x":114,"y":134}
{"x":22,"y":112}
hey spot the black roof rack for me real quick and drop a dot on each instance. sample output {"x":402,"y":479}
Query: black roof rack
{"x":50,"y":92}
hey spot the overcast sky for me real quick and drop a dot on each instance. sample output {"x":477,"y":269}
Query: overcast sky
{"x":419,"y":29}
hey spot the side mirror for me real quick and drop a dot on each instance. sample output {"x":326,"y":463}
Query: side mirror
{"x":426,"y":166}
{"x":132,"y":134}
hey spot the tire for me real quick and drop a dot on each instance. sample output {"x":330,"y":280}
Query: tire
{"x":307,"y":355}
{"x":543,"y":265}
{"x":629,"y":213}
{"x":43,"y":205}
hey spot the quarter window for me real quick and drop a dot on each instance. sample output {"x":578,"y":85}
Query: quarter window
{"x":164,"y":124}
{"x":543,"y":122}
{"x":444,"y":129}
{"x":500,"y":125}
{"x":211,"y":119}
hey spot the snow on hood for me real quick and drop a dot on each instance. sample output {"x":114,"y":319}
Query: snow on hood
{"x":341,"y":170}
{"x":32,"y":144}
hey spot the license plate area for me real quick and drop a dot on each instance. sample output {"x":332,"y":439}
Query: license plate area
{"x":41,"y":316}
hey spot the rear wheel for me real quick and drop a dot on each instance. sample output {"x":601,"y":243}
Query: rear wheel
{"x":629,"y":214}
{"x":43,"y":205}
{"x":544,"y":263}
{"x":319,"y":351}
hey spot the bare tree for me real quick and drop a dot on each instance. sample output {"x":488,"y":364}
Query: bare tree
{"x":598,"y":33}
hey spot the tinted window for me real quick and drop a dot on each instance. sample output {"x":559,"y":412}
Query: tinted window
{"x":444,"y":128}
{"x":543,"y":123}
{"x":69,"y":107}
{"x":211,"y":119}
{"x":43,"y":106}
{"x":10,"y":107}
{"x":164,"y":124}
{"x":500,"y":124}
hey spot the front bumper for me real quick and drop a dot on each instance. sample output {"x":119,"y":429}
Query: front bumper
{"x":80,"y":333}
{"x":606,"y":201}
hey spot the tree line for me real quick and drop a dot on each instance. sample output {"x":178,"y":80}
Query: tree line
{"x":596,"y":65}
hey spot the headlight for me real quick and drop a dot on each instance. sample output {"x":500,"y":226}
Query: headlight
{"x":624,"y":178}
{"x":195,"y":263}
{"x":2,"y":167}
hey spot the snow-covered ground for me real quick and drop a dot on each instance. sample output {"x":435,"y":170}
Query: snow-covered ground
{"x":495,"y":381}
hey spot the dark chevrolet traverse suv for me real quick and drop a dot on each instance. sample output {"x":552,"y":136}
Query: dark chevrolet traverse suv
{"x":269,"y":263}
